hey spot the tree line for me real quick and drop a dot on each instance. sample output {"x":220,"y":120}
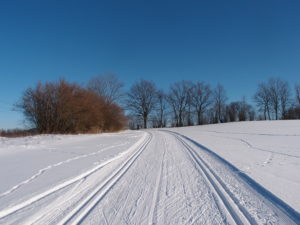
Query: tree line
{"x":99,"y":106}
{"x":189,"y":103}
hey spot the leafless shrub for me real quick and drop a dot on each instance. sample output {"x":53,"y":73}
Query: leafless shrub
{"x":63,"y":107}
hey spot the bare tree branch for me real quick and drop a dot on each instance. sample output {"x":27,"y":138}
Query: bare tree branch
{"x":107,"y":86}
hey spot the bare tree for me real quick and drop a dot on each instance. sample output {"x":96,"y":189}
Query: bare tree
{"x":220,"y":99}
{"x":279,"y":96}
{"x":107,"y":86}
{"x":297,"y":90}
{"x":189,"y":111}
{"x":162,"y":105}
{"x":246,"y":111}
{"x":178,"y":99}
{"x":134,"y":122}
{"x":275,"y":95}
{"x":201,"y":99}
{"x":232,"y":111}
{"x":284,"y":95}
{"x":274,"y":91}
{"x":240,"y":111}
{"x":141,"y":99}
{"x":263,"y":100}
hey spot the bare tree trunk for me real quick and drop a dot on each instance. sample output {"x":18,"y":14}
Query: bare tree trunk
{"x":199,"y":117}
{"x":161,"y":117}
{"x":145,"y":121}
{"x":180,"y":120}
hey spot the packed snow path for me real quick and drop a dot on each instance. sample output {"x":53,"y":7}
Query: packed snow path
{"x":163,"y":178}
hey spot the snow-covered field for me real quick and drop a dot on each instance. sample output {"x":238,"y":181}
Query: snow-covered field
{"x":267,"y":151}
{"x":237,"y":173}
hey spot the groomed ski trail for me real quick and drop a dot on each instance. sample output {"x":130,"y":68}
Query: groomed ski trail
{"x":164,"y":178}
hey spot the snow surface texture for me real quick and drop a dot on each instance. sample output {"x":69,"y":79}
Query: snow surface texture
{"x":147,"y":177}
{"x":267,"y":151}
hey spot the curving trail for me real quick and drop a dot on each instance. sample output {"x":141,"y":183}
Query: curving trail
{"x":164,"y":178}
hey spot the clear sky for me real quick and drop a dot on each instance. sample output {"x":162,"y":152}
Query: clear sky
{"x":237,"y":43}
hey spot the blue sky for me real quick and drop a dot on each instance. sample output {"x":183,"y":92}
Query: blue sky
{"x":237,"y":43}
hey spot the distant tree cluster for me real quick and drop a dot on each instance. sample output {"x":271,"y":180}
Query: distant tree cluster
{"x":12,"y":133}
{"x":194,"y":103}
{"x":63,"y":107}
{"x":185,"y":104}
{"x":274,"y":99}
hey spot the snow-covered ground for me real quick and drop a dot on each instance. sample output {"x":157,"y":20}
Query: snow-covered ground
{"x":267,"y":151}
{"x":35,"y":168}
{"x":170,"y":176}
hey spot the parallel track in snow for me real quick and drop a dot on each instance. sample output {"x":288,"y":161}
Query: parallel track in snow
{"x":234,"y":213}
{"x":10,"y":211}
{"x":86,"y":205}
{"x":161,"y":179}
{"x":51,"y":166}
{"x":155,"y":199}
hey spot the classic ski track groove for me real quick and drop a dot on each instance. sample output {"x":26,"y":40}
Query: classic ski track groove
{"x":49,"y":167}
{"x":13,"y":209}
{"x":82,"y":210}
{"x":157,"y":188}
{"x":234,"y":212}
